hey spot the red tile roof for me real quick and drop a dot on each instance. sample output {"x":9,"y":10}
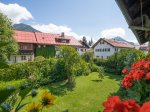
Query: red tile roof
{"x":115,"y":43}
{"x":118,"y":44}
{"x":43,"y":38}
{"x":25,"y":37}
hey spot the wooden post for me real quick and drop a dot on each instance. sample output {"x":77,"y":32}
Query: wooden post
{"x":149,"y":47}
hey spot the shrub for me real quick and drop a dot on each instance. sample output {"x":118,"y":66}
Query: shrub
{"x":39,"y":58}
{"x":38,"y":70}
{"x":135,"y":88}
{"x":70,"y":58}
{"x":88,"y":56}
{"x":59,"y":73}
{"x":117,"y":62}
{"x":81,"y":68}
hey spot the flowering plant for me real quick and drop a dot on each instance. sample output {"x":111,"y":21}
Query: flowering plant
{"x":134,"y":90}
{"x":115,"y":104}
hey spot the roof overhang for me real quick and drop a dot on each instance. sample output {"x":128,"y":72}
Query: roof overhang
{"x":137,"y":15}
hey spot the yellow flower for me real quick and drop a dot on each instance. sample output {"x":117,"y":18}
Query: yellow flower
{"x":33,"y":108}
{"x":47,"y":99}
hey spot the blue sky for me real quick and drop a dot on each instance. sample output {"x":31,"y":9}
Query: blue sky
{"x":92,"y":18}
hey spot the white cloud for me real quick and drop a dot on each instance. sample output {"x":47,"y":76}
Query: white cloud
{"x":110,"y":33}
{"x":15,"y":12}
{"x":114,"y":32}
{"x":57,"y":29}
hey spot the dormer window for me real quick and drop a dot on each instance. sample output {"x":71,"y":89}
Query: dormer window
{"x":62,"y":40}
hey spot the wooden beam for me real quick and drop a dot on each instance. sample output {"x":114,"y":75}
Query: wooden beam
{"x":139,"y":28}
{"x":127,"y":17}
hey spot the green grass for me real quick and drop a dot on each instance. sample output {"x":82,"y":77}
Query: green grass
{"x":87,"y":96}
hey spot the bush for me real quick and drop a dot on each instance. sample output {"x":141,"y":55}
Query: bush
{"x":39,"y":58}
{"x":59,"y":73}
{"x":81,"y":68}
{"x":29,"y":70}
{"x":134,"y":89}
{"x":117,"y":62}
{"x":88,"y":56}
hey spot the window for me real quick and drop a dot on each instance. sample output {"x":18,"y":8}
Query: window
{"x":102,"y":57}
{"x":26,"y":46}
{"x":103,"y":50}
{"x":107,"y":56}
{"x":97,"y":56}
{"x":81,"y":50}
{"x":108,"y":49}
{"x":101,"y":42}
{"x":100,"y":50}
{"x":23,"y":57}
{"x":116,"y":49}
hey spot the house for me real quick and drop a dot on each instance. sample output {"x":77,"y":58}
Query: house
{"x":84,"y":47}
{"x":143,"y":48}
{"x":26,"y":42}
{"x":104,"y":48}
{"x":32,"y":44}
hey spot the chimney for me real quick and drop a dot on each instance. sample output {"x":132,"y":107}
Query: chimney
{"x":62,"y":34}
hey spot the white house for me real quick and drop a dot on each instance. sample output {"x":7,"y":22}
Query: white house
{"x":104,"y":48}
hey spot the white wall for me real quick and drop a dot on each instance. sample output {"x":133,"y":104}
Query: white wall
{"x":81,"y":50}
{"x":18,"y":58}
{"x":105,"y":54}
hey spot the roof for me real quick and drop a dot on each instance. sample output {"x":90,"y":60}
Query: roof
{"x":44,"y":38}
{"x":85,"y":45}
{"x":141,"y":47}
{"x":137,"y":14}
{"x":114,"y":43}
{"x":24,"y":37}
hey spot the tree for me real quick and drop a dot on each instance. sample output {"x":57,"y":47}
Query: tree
{"x":70,"y":57}
{"x":90,"y":42}
{"x":8,"y":45}
{"x":84,"y":40}
{"x":88,"y":56}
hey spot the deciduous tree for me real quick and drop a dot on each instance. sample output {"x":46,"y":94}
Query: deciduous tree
{"x":8,"y":45}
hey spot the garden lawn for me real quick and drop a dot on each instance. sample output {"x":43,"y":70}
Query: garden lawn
{"x":87,"y":96}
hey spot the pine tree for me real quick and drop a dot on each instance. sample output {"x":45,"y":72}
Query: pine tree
{"x":84,"y":40}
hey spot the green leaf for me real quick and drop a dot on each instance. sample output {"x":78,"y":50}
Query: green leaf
{"x":134,"y":95}
{"x":22,"y":105}
{"x":147,"y":87}
{"x":24,"y":92}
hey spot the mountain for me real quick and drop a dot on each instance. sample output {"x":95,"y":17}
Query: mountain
{"x":24,"y":27}
{"x":123,"y":40}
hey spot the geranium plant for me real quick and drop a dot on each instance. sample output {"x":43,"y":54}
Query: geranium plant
{"x":134,"y":92}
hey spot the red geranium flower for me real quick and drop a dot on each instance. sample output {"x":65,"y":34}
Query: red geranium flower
{"x":138,"y":74}
{"x":145,"y":107}
{"x":110,"y":103}
{"x":131,"y":105}
{"x":124,"y":71}
{"x":127,"y":81}
{"x":148,"y":76}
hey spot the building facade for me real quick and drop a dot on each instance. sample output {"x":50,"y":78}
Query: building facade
{"x":30,"y":44}
{"x":104,"y":48}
